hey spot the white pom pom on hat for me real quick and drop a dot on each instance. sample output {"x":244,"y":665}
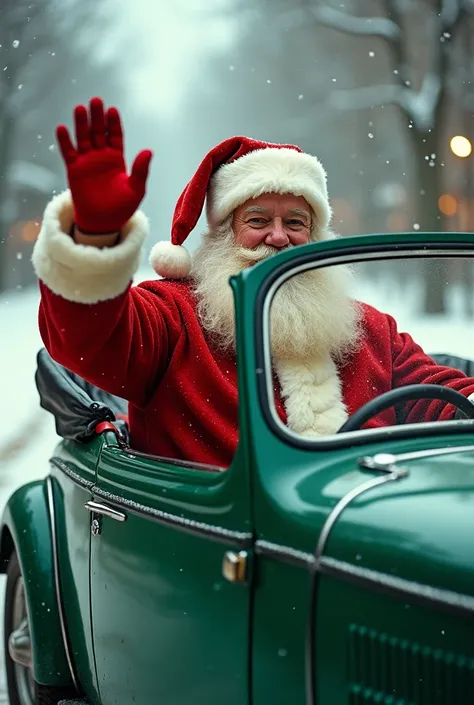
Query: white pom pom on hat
{"x":170,"y":261}
{"x":234,"y":171}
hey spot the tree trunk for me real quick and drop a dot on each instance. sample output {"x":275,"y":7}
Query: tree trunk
{"x":7,"y":131}
{"x":428,"y":186}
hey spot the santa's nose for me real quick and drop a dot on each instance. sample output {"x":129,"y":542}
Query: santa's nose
{"x":277,"y":237}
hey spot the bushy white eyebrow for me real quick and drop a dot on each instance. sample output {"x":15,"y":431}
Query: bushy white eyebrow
{"x":300,"y":211}
{"x":255,"y":209}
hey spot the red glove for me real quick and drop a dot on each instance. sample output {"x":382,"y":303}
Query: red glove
{"x":104,"y":196}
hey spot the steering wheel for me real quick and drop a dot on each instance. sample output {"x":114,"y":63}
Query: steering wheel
{"x":404,"y":394}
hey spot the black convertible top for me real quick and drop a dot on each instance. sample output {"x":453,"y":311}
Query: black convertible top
{"x":77,"y":405}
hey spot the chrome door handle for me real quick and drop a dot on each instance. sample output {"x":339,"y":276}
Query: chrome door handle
{"x":105,"y":510}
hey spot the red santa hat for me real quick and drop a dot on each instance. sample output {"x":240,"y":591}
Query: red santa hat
{"x":234,"y":171}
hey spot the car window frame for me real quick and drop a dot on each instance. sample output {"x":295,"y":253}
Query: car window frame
{"x":345,"y":254}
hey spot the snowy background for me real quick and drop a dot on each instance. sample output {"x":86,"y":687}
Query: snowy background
{"x":376,"y":89}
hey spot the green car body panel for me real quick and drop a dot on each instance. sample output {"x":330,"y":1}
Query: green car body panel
{"x":26,"y":527}
{"x":359,"y":583}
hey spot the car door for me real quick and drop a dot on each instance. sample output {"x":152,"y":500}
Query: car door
{"x":72,"y":477}
{"x":168,"y":626}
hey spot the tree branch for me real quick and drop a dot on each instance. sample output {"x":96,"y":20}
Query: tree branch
{"x":350,"y":24}
{"x":450,"y":11}
{"x":419,"y":106}
{"x":339,"y":21}
{"x":366,"y":97}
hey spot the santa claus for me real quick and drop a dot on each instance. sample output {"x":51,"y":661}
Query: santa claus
{"x":168,"y":345}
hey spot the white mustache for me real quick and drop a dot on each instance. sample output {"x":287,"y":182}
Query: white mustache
{"x":257,"y":254}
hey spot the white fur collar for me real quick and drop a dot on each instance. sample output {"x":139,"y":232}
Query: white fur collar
{"x":312,"y":396}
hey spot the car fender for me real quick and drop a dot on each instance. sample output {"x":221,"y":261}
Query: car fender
{"x":26,"y":527}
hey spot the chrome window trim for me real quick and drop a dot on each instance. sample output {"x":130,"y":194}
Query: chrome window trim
{"x":366,"y":435}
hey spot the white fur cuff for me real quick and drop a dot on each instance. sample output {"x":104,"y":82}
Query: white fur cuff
{"x":83,"y":273}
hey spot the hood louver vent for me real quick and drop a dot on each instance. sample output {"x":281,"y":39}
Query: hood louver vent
{"x":384,"y":670}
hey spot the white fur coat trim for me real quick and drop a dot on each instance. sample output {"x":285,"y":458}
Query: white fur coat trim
{"x":83,"y":273}
{"x":312,"y":397}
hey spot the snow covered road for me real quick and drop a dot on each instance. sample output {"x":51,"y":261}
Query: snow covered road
{"x":27,"y":432}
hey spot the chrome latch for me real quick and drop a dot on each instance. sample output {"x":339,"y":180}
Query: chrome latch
{"x":383,"y":462}
{"x":95,"y":527}
{"x":105,"y":510}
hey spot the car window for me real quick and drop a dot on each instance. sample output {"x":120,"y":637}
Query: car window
{"x":389,"y":324}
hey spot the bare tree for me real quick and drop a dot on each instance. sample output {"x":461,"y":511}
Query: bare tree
{"x":40,"y":43}
{"x":419,"y":38}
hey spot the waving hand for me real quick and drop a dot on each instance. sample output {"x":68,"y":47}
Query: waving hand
{"x":105,"y":197}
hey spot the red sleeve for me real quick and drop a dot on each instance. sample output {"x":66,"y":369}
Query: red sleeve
{"x":121,"y":345}
{"x":411,"y":365}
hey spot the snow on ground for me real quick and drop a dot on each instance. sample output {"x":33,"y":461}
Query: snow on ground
{"x":452,"y":332}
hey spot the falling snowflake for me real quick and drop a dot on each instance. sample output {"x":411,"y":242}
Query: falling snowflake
{"x":15,"y":44}
{"x":416,"y":226}
{"x":371,"y":53}
{"x":370,"y":135}
{"x":301,"y":96}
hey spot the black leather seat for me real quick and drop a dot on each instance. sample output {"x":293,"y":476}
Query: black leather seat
{"x":77,"y":405}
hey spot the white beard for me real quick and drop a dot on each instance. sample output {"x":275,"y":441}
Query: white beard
{"x":312,"y":316}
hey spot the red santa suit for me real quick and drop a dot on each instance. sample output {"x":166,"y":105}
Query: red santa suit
{"x":146,"y":344}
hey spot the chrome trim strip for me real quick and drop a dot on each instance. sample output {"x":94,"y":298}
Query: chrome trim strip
{"x":449,"y":600}
{"x":345,"y":501}
{"x":198,"y":528}
{"x":215,"y":533}
{"x":418,"y":454}
{"x":339,"y":259}
{"x":77,"y":479}
{"x":57,"y":582}
{"x":104,"y":510}
{"x":284,"y":553}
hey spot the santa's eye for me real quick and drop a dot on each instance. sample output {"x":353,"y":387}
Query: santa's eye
{"x":257,"y":221}
{"x":295,"y":223}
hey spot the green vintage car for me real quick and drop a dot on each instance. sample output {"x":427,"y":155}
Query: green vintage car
{"x":329,"y":571}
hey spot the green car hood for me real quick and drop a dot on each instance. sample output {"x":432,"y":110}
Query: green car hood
{"x":419,"y":528}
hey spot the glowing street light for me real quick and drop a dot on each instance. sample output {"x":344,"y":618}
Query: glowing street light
{"x":460,"y":146}
{"x":447,"y":204}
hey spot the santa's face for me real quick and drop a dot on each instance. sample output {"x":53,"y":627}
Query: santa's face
{"x":272,"y":220}
{"x":311,"y":315}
